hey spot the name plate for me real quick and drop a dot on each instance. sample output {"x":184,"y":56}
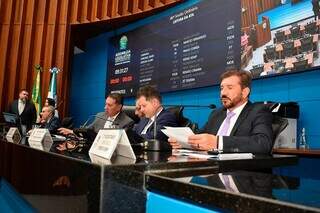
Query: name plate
{"x":13,"y":135}
{"x":40,"y":139}
{"x":108,"y":141}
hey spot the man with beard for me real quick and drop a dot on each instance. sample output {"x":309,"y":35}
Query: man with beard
{"x":239,"y":126}
{"x":25,"y":110}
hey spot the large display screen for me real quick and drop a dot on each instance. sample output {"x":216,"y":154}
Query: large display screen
{"x":191,"y":47}
{"x":184,"y":50}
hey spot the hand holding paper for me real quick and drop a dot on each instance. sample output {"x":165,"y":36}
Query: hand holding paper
{"x":181,"y":134}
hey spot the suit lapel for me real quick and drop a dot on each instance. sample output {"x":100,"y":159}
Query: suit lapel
{"x":220,"y":118}
{"x":241,"y":117}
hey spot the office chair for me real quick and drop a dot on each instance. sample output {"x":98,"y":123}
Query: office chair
{"x":288,"y":49}
{"x":271,"y":53}
{"x":278,"y":125}
{"x":300,"y":64}
{"x":279,"y":66}
{"x":182,"y":121}
{"x":295,"y":32}
{"x":311,"y":28}
{"x":257,"y":70}
{"x":279,"y":36}
{"x":306,"y":43}
{"x":67,"y":122}
{"x":130,"y":111}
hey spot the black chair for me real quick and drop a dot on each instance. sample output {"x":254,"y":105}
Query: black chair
{"x":311,"y":28}
{"x":67,"y":122}
{"x":300,"y":64}
{"x":295,"y":32}
{"x":278,"y":125}
{"x":279,"y":36}
{"x":271,"y":53}
{"x":182,"y":121}
{"x":307,"y":43}
{"x":279,"y":66}
{"x":130,"y":111}
{"x":288,"y":49}
{"x":257,"y":70}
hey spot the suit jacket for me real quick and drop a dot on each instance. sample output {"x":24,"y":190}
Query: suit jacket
{"x":165,"y":118}
{"x":122,"y":121}
{"x":252,"y":131}
{"x":52,"y":125}
{"x":29,"y":114}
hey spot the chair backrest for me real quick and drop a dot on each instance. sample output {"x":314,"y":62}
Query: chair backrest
{"x":278,"y":125}
{"x":271,"y":53}
{"x":288,"y":48}
{"x":257,"y":70}
{"x":67,"y":122}
{"x":295,"y":32}
{"x":306,"y":43}
{"x":130,"y":111}
{"x":279,"y":66}
{"x":182,"y":121}
{"x":311,"y":28}
{"x":280,"y":37}
{"x":300,"y":65}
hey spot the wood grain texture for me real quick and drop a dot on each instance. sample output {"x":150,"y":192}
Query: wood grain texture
{"x":39,"y":32}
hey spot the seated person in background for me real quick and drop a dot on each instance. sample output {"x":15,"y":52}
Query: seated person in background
{"x":52,"y":102}
{"x":111,"y":117}
{"x":49,"y":102}
{"x":239,"y":126}
{"x":149,"y":100}
{"x":49,"y":121}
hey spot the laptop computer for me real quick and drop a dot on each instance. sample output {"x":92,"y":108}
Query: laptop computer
{"x":10,"y":118}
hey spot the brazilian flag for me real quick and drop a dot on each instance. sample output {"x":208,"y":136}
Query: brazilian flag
{"x":36,"y":90}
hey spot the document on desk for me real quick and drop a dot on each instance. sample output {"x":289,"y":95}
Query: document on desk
{"x":220,"y":156}
{"x":181,"y":134}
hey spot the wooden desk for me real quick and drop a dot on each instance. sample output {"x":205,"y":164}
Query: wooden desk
{"x":304,"y":152}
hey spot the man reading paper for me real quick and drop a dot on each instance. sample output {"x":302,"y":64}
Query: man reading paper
{"x":239,"y":126}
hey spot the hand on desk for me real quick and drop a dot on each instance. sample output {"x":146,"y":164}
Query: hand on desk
{"x":65,"y":131}
{"x":203,"y":142}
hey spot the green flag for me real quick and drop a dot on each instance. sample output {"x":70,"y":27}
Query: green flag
{"x":36,"y":90}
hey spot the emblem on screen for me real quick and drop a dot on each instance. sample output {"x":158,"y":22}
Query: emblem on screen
{"x":123,"y":42}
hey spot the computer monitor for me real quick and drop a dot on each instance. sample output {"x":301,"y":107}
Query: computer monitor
{"x":10,"y":118}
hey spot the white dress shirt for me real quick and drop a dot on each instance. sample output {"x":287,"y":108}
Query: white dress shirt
{"x":151,"y":120}
{"x":21,"y":106}
{"x":110,"y":120}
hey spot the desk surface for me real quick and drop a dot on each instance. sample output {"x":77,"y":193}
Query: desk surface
{"x":39,"y":176}
{"x":305,"y":152}
{"x":244,"y":191}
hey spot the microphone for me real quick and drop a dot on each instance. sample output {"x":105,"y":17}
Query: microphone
{"x":86,"y":122}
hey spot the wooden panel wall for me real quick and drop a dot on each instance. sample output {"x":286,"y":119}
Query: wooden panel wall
{"x":251,"y":8}
{"x":38,"y":32}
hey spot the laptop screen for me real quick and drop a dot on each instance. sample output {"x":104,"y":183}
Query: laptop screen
{"x":10,"y":118}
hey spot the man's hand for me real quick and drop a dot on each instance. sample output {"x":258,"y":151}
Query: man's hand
{"x":173,"y":142}
{"x":203,"y":141}
{"x":65,"y":131}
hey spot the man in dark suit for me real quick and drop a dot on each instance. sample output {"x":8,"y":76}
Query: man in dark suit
{"x":149,"y":100}
{"x":25,"y":110}
{"x":112,"y":117}
{"x":49,"y":121}
{"x":239,"y":126}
